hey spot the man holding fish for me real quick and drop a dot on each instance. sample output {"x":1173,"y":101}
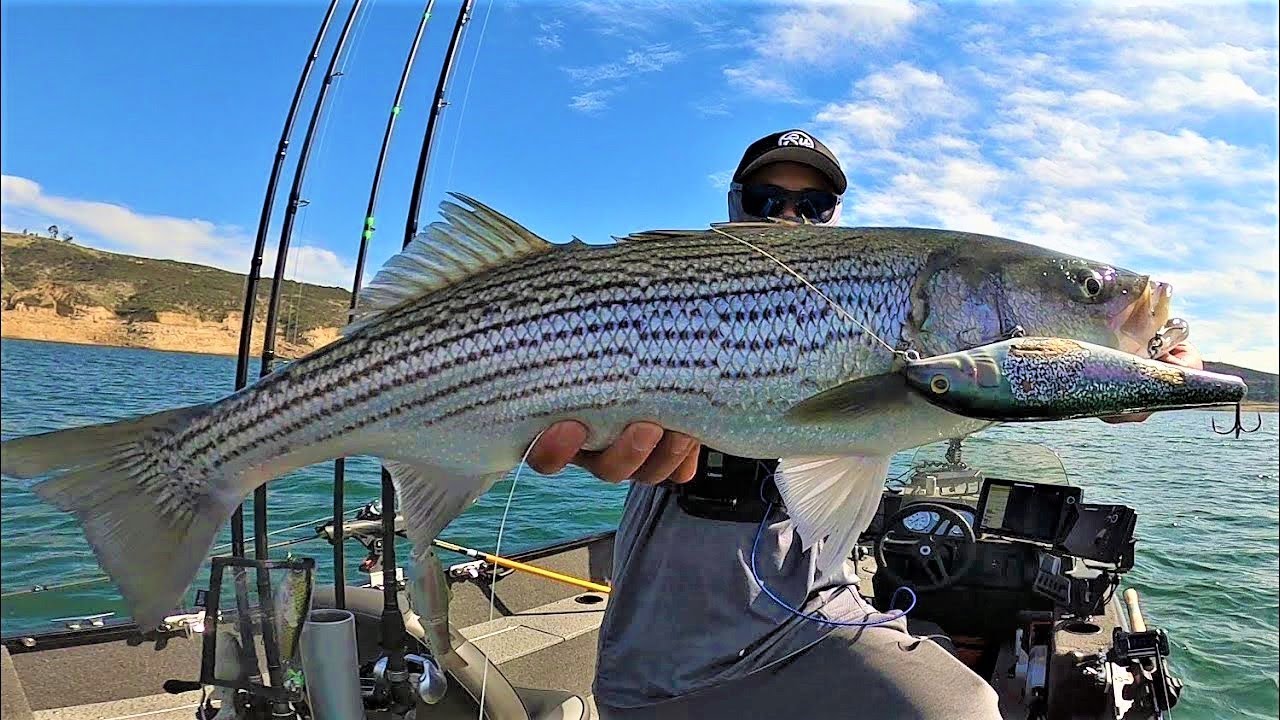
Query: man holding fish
{"x":689,"y":631}
{"x":480,"y":335}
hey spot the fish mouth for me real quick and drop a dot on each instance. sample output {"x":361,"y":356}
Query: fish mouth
{"x":1137,"y":323}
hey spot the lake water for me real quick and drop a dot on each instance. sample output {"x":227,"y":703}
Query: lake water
{"x":1208,"y":517}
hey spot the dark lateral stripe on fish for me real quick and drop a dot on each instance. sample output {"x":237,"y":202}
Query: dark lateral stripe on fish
{"x":509,"y":371}
{"x":499,"y":375}
{"x":347,"y":370}
{"x":319,"y":363}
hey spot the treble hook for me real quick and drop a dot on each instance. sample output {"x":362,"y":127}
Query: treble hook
{"x":1238,"y":428}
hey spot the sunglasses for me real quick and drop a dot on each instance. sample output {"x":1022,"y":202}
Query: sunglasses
{"x":770,"y":200}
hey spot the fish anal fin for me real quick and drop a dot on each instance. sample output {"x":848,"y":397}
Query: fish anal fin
{"x":430,"y":497}
{"x":852,"y":400}
{"x":467,"y":242}
{"x":831,"y":500}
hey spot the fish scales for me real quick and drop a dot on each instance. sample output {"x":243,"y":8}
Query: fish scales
{"x":407,"y":350}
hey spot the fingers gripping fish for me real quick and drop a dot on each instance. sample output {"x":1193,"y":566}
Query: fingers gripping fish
{"x":480,"y":334}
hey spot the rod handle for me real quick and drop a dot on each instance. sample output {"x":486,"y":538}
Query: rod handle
{"x":1136,"y":623}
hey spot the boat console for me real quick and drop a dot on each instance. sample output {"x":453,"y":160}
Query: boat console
{"x":1021,"y":577}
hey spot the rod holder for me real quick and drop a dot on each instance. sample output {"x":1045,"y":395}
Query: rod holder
{"x":256,"y":626}
{"x":331,"y":663}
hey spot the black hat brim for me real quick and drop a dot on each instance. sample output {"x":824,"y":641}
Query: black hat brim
{"x":804,"y":156}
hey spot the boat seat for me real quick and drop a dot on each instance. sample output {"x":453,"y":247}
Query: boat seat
{"x":503,"y":700}
{"x":13,"y":701}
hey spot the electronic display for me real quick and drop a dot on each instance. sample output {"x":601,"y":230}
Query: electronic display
{"x":1026,"y":511}
{"x":1101,"y":532}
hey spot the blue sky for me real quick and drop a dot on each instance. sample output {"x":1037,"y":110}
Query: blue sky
{"x":1140,"y":135}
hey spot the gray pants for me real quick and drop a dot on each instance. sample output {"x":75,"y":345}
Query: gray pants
{"x":876,"y":672}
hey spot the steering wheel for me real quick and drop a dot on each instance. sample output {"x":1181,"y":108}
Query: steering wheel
{"x":935,"y":553}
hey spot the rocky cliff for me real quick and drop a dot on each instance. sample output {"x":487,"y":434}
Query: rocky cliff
{"x":54,"y":290}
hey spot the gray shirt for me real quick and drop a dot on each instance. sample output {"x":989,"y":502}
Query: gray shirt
{"x":686,"y":613}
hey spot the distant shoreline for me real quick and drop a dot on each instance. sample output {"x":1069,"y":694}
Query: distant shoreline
{"x":1258,"y":406}
{"x":205,"y":353}
{"x":176,"y":333}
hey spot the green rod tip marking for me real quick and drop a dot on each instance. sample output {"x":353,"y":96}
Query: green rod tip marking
{"x":395,"y":109}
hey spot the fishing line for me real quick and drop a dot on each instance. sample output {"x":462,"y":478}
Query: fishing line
{"x":833,"y":303}
{"x":362,"y":24}
{"x":497,"y":552}
{"x":755,"y":545}
{"x":462,"y":111}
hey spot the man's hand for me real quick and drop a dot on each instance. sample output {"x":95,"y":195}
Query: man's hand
{"x":643,"y":452}
{"x":1183,"y":354}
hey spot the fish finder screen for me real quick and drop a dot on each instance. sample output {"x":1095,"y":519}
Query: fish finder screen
{"x":1029,"y":511}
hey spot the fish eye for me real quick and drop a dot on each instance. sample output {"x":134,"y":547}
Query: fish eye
{"x":1090,"y":282}
{"x":939,"y":384}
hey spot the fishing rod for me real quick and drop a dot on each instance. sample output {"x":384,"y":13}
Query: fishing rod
{"x":260,"y":241}
{"x":260,"y":546}
{"x":523,"y":567}
{"x":366,"y":236}
{"x":247,"y":313}
{"x":282,"y":252}
{"x":295,"y":193}
{"x":393,"y":630}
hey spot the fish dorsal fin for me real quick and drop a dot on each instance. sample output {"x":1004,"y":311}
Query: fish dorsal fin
{"x":466,"y":242}
{"x":648,"y":235}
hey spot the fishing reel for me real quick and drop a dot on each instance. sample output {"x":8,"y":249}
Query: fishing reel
{"x":423,"y":674}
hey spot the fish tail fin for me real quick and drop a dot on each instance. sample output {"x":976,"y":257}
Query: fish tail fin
{"x":149,"y":513}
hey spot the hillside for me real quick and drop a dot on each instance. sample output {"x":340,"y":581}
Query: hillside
{"x":52,"y":290}
{"x":1263,"y":387}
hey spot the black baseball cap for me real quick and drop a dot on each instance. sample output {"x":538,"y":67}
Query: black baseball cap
{"x":793,"y":146}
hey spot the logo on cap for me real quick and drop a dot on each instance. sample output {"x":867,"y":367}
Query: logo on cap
{"x":795,"y":137}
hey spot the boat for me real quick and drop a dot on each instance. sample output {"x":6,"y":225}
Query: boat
{"x":1014,"y":573}
{"x":1020,"y":581}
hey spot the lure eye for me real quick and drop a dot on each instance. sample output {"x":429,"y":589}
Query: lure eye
{"x":939,"y":384}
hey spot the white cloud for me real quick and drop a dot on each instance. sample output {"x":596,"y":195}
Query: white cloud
{"x":818,"y":32}
{"x":592,"y":101}
{"x":648,"y":59}
{"x":720,"y":179}
{"x":751,"y":81}
{"x":813,"y":36}
{"x":864,"y":119}
{"x":652,"y":58}
{"x":120,"y":229}
{"x":1213,"y":89}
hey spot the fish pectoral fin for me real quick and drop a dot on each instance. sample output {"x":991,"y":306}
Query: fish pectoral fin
{"x":431,"y":497}
{"x":831,"y":500}
{"x":853,"y":400}
{"x":467,"y":242}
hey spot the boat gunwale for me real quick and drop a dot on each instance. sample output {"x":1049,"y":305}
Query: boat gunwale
{"x":20,"y":642}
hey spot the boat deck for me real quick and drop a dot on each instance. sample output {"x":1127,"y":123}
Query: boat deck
{"x":542,"y":637}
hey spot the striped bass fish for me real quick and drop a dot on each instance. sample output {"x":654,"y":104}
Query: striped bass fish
{"x":481,"y":334}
